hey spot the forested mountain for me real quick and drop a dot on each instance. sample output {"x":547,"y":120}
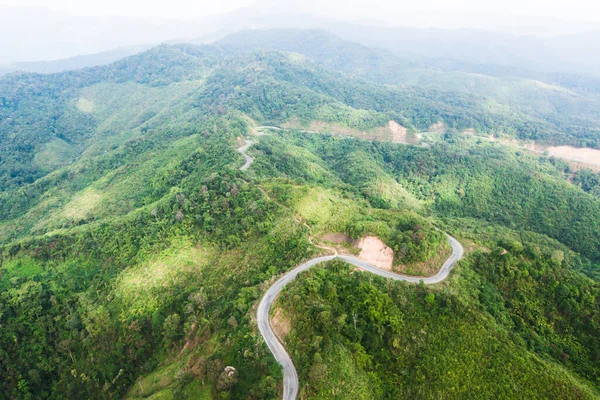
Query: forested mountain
{"x":76,"y":62}
{"x":565,"y":101}
{"x":134,"y":251}
{"x":567,"y":54}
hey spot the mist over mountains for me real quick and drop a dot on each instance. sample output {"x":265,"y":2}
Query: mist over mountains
{"x":30,"y":36}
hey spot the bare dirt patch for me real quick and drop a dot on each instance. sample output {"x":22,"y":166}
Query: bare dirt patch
{"x":401,"y":135}
{"x":577,"y":157}
{"x":85,"y":105}
{"x":280,"y":324}
{"x":583,"y":155}
{"x":470,"y":246}
{"x":398,"y":132}
{"x":254,"y":132}
{"x":239,"y":142}
{"x":514,"y":142}
{"x":375,"y":252}
{"x":82,"y":204}
{"x":338,"y":243}
{"x":322,"y":127}
{"x":391,"y":132}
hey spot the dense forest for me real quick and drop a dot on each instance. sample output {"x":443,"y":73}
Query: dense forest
{"x":133,"y":251}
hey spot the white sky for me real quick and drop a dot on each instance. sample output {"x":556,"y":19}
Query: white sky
{"x":572,"y":10}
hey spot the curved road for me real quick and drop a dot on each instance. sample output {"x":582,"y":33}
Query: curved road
{"x":290,"y":376}
{"x":242,"y":151}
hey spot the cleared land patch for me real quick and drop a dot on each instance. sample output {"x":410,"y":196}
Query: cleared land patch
{"x":393,"y":131}
{"x":583,"y":155}
{"x":82,"y":205}
{"x":375,"y":252}
{"x":144,"y":286}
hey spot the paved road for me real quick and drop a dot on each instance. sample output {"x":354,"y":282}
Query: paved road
{"x":275,"y":128}
{"x":242,"y":150}
{"x":290,"y":376}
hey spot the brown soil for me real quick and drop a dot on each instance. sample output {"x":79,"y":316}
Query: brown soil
{"x":577,"y":158}
{"x":254,"y":132}
{"x":398,"y":132}
{"x":582,"y":155}
{"x":530,"y":145}
{"x":189,"y":343}
{"x":323,"y":127}
{"x":471,"y":246}
{"x":239,"y":142}
{"x":375,"y":252}
{"x":280,"y":324}
{"x":391,"y":132}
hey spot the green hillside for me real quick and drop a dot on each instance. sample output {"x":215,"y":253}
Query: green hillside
{"x":134,"y":252}
{"x":552,"y":108}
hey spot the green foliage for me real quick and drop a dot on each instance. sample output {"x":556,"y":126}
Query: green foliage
{"x":134,"y":251}
{"x":354,"y":333}
{"x":588,"y":181}
{"x":485,"y":181}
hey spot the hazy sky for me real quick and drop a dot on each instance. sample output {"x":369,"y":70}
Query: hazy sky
{"x":29,"y":32}
{"x":390,"y":10}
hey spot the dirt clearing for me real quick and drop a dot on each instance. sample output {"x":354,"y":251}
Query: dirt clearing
{"x":375,"y":252}
{"x":584,"y":155}
{"x":398,"y":132}
{"x":393,"y":131}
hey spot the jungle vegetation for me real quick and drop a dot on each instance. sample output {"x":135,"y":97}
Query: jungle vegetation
{"x":133,"y":252}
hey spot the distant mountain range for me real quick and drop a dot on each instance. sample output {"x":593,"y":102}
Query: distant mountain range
{"x":77,"y":62}
{"x":28,"y":35}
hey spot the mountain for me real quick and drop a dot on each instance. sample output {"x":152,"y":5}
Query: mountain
{"x":566,"y":54}
{"x":31,"y":35}
{"x":77,"y":62}
{"x":576,"y":102}
{"x":134,"y":251}
{"x":561,"y":53}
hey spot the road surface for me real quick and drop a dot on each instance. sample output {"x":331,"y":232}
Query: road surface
{"x":290,"y":376}
{"x":242,"y":150}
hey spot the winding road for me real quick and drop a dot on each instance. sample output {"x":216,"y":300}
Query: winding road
{"x":242,"y":150}
{"x":290,"y":376}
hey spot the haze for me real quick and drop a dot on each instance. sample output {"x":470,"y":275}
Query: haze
{"x":38,"y":30}
{"x":457,"y":12}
